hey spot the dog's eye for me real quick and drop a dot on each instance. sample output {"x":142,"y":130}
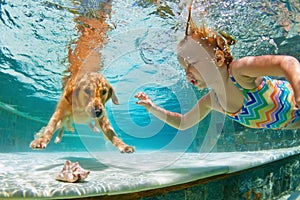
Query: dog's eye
{"x":87,"y":91}
{"x":103,"y":92}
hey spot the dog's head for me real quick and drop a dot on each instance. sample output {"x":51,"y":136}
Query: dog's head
{"x":91,"y":93}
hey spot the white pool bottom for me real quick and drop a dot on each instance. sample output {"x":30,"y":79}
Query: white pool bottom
{"x":32,"y":175}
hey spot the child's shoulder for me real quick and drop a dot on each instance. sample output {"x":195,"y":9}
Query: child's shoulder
{"x":240,"y":78}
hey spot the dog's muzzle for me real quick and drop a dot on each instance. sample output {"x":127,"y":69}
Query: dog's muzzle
{"x":97,"y":112}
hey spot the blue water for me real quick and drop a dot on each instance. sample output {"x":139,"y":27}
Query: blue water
{"x":140,"y":56}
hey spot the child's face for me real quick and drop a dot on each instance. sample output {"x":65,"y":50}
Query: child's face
{"x":193,"y":75}
{"x":197,"y":60}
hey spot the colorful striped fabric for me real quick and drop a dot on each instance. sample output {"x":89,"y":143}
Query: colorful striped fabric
{"x":270,"y":105}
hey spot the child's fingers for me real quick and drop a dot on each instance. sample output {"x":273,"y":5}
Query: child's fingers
{"x":138,"y":94}
{"x":141,"y":96}
{"x":140,"y":103}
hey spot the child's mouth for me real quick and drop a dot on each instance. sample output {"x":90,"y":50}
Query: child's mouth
{"x":193,"y":82}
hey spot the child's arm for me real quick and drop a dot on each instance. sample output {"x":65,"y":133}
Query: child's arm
{"x":176,"y":120}
{"x":248,"y":68}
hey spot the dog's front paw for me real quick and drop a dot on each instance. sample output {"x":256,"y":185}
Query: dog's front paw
{"x":127,"y":149}
{"x":39,"y":143}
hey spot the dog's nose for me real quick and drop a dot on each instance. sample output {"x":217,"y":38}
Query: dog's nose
{"x":97,"y":112}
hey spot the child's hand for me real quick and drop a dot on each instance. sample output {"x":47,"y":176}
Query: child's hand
{"x":144,"y":100}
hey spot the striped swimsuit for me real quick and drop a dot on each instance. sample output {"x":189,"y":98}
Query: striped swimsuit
{"x":270,"y":105}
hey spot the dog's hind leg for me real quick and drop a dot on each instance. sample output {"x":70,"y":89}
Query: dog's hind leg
{"x":93,"y":127}
{"x":110,"y":135}
{"x":67,"y":124}
{"x":59,"y":135}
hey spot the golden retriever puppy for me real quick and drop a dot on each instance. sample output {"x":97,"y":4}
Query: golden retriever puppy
{"x":84,"y":104}
{"x":85,"y":90}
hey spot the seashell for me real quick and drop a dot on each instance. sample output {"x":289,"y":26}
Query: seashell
{"x":72,"y":172}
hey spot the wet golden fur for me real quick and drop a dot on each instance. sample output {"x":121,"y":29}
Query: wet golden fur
{"x":85,"y":90}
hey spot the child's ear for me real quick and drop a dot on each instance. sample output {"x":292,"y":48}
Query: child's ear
{"x":221,"y":42}
{"x":219,"y":58}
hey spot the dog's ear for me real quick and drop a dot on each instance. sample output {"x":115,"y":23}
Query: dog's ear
{"x":112,"y":95}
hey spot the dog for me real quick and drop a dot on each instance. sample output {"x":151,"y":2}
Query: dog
{"x":85,"y":104}
{"x":85,"y":90}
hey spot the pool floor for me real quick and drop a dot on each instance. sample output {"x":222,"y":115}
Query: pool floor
{"x":32,"y":175}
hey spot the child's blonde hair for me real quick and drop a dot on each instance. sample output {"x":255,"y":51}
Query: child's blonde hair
{"x":218,"y":41}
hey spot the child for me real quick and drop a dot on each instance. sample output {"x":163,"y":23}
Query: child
{"x":240,"y":89}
